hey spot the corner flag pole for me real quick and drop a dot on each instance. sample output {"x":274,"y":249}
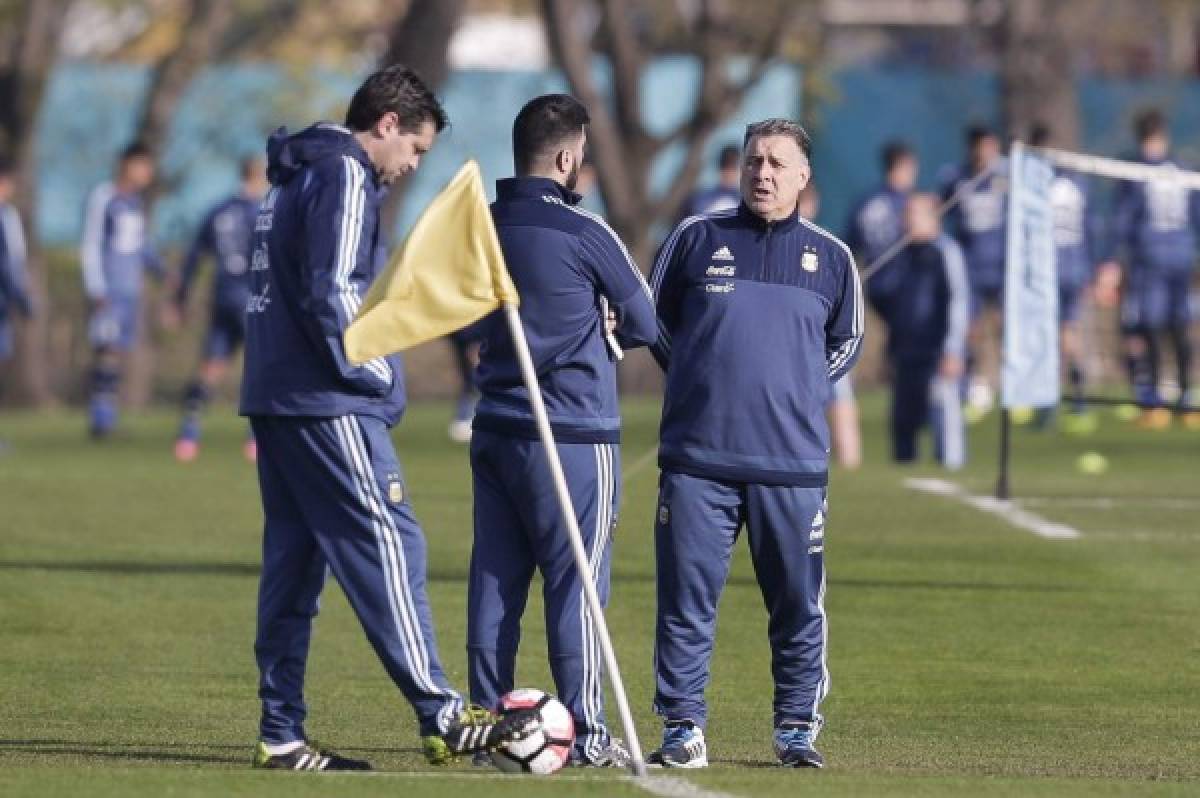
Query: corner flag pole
{"x":521,"y":346}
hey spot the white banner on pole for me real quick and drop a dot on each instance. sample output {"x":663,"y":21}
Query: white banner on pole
{"x":1030,"y":361}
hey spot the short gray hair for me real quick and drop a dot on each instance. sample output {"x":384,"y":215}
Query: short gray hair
{"x":780,"y":127}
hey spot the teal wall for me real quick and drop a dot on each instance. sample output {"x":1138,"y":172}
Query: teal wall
{"x":228,"y":111}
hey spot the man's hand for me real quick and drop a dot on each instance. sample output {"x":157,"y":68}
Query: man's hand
{"x":610,"y":323}
{"x":951,"y":366}
{"x":1107,"y":286}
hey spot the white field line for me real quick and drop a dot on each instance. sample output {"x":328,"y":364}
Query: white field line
{"x":639,"y":464}
{"x":665,"y":786}
{"x":1110,"y":503}
{"x":673,"y":787}
{"x":1007,"y":510}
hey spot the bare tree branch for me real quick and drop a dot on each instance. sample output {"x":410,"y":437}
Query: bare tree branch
{"x":419,"y":39}
{"x":573,"y":56}
{"x":718,"y":97}
{"x":34,"y":50}
{"x":202,"y":33}
{"x":253,"y":30}
{"x":626,"y":66}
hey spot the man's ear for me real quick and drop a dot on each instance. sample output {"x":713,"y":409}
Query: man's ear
{"x":386,"y":124}
{"x":563,"y":161}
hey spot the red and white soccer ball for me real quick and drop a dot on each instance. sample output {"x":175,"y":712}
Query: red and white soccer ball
{"x":546,"y":750}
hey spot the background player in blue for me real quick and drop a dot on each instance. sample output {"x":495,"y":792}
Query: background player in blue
{"x":1155,"y":228}
{"x":724,"y":194}
{"x":978,"y":223}
{"x":14,"y":287}
{"x":332,"y":490}
{"x":877,"y":221}
{"x":114,"y":254}
{"x":759,"y":311}
{"x":465,"y":343}
{"x":566,"y":264}
{"x":1074,"y":239}
{"x":226,"y":235}
{"x":922,"y":296}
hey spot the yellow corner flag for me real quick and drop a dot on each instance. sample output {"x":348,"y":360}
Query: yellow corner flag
{"x":449,"y":273}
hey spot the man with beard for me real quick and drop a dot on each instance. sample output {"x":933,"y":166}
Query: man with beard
{"x":582,"y":298}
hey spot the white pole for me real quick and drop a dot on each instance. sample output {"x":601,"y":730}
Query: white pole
{"x":638,"y":764}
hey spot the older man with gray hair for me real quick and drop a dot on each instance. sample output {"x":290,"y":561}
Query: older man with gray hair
{"x":760,"y":311}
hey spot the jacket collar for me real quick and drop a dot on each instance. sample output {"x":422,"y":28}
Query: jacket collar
{"x":753,"y":220}
{"x":511,"y":188}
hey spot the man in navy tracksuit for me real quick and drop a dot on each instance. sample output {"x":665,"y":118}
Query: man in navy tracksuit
{"x":877,"y":221}
{"x":568,"y":266}
{"x":923,"y":297}
{"x":465,"y":343}
{"x":978,"y":220}
{"x":333,"y":494}
{"x":226,"y":234}
{"x":759,"y":312}
{"x":14,"y":287}
{"x":722,"y":196}
{"x":1156,"y":226}
{"x":114,"y":254}
{"x":979,"y":223}
{"x":1074,"y":239}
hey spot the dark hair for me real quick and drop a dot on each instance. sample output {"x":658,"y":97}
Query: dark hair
{"x":398,"y":90}
{"x":729,"y":157}
{"x":136,"y":149}
{"x":780,"y":127}
{"x":893,"y":153}
{"x":1040,"y":134}
{"x":1148,"y":123}
{"x":6,"y":166}
{"x":978,"y":132}
{"x":542,"y":125}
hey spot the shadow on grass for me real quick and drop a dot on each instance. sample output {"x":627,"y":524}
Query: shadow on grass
{"x":134,"y":567}
{"x":245,"y":569}
{"x":222,"y":754}
{"x":131,"y":752}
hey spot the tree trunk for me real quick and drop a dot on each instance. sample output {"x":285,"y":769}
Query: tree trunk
{"x":23,"y":83}
{"x":1036,"y":72}
{"x":202,"y":35}
{"x":419,"y":40}
{"x":622,"y":148}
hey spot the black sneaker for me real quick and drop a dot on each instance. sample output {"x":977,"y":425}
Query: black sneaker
{"x":306,"y":757}
{"x":477,"y":730}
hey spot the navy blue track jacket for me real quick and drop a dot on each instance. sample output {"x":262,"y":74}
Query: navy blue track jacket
{"x":980,"y":222}
{"x":876,"y":223}
{"x":756,"y":320}
{"x":922,"y":296}
{"x":314,"y":257}
{"x":226,"y":234}
{"x":14,"y":288}
{"x":563,"y":260}
{"x":1156,"y":224}
{"x":1075,"y":229}
{"x":116,"y":249}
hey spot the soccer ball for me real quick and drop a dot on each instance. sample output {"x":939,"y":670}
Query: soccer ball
{"x":547,"y":749}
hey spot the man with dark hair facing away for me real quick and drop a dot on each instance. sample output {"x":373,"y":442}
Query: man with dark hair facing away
{"x":578,"y":287}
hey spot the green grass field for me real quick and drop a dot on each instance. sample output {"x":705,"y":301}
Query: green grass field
{"x":968,"y":657}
